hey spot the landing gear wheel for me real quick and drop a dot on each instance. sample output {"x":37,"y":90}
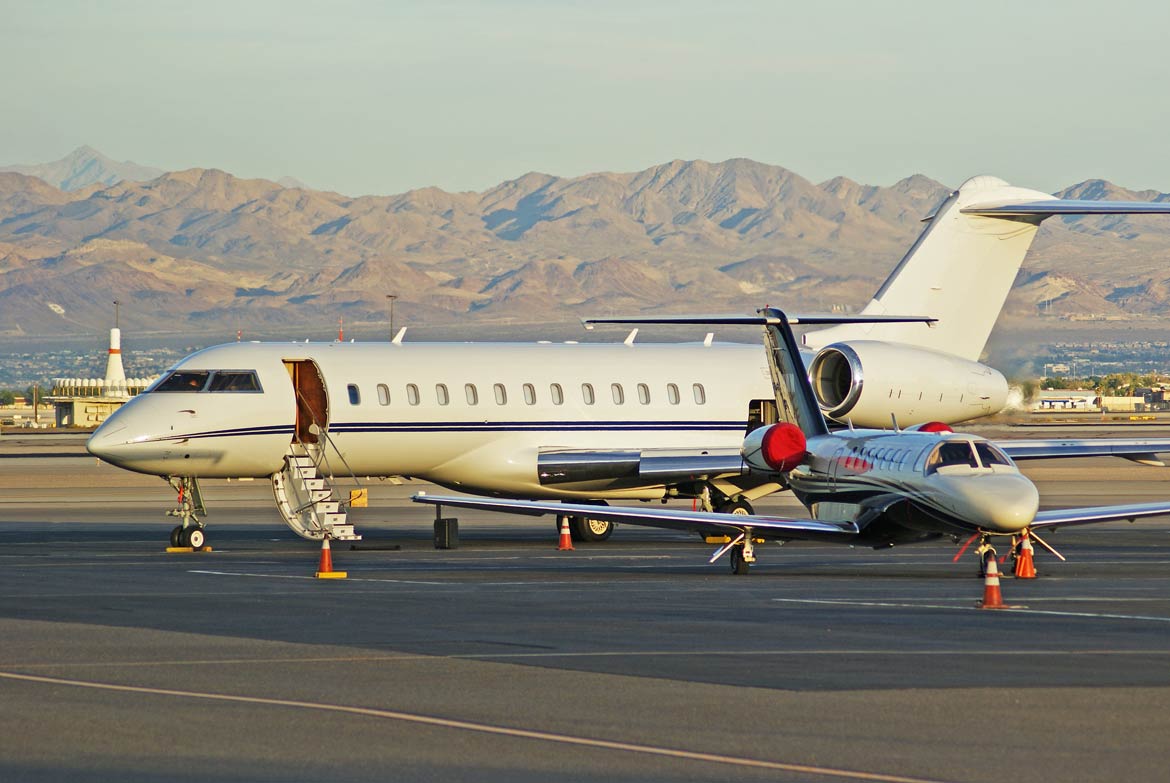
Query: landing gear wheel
{"x":195,"y":537}
{"x":741,"y":508}
{"x":739,"y":565}
{"x":589,"y":529}
{"x":177,"y":536}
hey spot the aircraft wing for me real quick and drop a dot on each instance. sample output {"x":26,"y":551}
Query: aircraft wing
{"x":1085,"y":516}
{"x":657,"y":516}
{"x":1144,"y":451}
{"x":1067,"y":206}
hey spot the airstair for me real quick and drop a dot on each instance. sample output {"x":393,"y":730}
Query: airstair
{"x":306,"y":500}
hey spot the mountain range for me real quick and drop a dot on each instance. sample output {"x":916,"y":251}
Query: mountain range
{"x":202,"y":251}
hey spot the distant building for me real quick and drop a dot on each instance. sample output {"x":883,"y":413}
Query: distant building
{"x":87,"y":402}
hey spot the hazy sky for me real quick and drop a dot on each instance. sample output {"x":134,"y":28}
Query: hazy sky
{"x":380,"y":97}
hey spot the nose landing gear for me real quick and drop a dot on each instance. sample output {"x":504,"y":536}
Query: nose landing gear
{"x":189,"y":534}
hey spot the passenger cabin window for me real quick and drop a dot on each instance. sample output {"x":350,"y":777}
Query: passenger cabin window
{"x":672,"y":393}
{"x":619,"y":396}
{"x":412,"y":394}
{"x":557,"y":393}
{"x":529,"y":394}
{"x":501,"y":394}
{"x":587,"y":393}
{"x":700,"y":394}
{"x":383,"y":394}
{"x":355,"y":396}
{"x":183,"y":381}
{"x":643,"y":394}
{"x":441,"y":393}
{"x":955,"y":452}
{"x":472,"y":394}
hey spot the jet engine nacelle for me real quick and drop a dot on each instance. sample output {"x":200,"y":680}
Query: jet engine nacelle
{"x":866,"y":381}
{"x":775,"y":448}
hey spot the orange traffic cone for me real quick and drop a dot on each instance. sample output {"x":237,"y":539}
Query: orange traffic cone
{"x":325,"y":567}
{"x":566,"y":542}
{"x":1025,"y":566}
{"x":992,"y":598}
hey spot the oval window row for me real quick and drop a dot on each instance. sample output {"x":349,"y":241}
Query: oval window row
{"x":556,"y":394}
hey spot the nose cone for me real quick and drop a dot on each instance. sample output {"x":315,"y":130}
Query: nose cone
{"x":1001,"y":502}
{"x":109,"y":444}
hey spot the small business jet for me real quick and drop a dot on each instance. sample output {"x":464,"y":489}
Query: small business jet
{"x":584,"y":422}
{"x":872,"y":487}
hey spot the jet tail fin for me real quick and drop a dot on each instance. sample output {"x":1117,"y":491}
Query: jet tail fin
{"x":962,"y":266}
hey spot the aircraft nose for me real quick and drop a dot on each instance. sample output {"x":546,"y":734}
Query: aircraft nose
{"x":1005,"y":503}
{"x":108,"y":443}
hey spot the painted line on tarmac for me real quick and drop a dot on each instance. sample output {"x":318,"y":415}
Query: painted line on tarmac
{"x":314,"y":578}
{"x":970,"y":608}
{"x":492,"y":657}
{"x":483,"y":728}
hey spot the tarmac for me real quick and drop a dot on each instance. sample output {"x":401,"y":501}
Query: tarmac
{"x":506,"y":660}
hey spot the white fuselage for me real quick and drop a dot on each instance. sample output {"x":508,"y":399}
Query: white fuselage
{"x":952,"y":481}
{"x":466,"y":415}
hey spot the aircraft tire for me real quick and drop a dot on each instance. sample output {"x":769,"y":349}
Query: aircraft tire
{"x":177,"y":536}
{"x":590,"y":530}
{"x":739,"y":566}
{"x":195,"y":537}
{"x":737,"y":507}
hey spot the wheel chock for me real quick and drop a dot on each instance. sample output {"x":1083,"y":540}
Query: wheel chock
{"x":174,"y":549}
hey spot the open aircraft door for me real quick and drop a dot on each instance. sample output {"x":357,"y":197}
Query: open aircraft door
{"x":312,"y":400}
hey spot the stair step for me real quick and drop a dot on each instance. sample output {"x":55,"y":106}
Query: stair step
{"x":328,"y":507}
{"x":344,"y":533}
{"x":317,"y":495}
{"x":314,"y":483}
{"x":332,"y":520}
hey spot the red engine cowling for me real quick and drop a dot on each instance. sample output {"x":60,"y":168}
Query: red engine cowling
{"x":777,"y":447}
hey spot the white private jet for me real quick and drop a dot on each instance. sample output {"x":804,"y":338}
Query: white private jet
{"x":872,"y":487}
{"x":590,"y":422}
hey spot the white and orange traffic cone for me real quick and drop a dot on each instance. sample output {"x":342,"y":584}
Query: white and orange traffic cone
{"x":566,"y":541}
{"x":325,"y":567}
{"x":992,"y":598}
{"x":1025,"y":566}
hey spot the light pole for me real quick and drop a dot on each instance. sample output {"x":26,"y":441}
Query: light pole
{"x":391,"y":297}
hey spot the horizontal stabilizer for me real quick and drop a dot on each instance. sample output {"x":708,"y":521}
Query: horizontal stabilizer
{"x":759,"y":320}
{"x":1066,"y":207}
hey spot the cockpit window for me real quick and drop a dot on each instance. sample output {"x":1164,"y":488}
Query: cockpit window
{"x":989,"y":455}
{"x":234,"y":381}
{"x":209,"y":380}
{"x":183,"y":381}
{"x":954,"y":452}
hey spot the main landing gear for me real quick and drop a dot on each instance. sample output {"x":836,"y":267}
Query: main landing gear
{"x":588,"y":529}
{"x":740,"y":551}
{"x":190,"y":505}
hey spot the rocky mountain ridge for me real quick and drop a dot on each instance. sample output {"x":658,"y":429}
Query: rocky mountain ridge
{"x":203,"y":251}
